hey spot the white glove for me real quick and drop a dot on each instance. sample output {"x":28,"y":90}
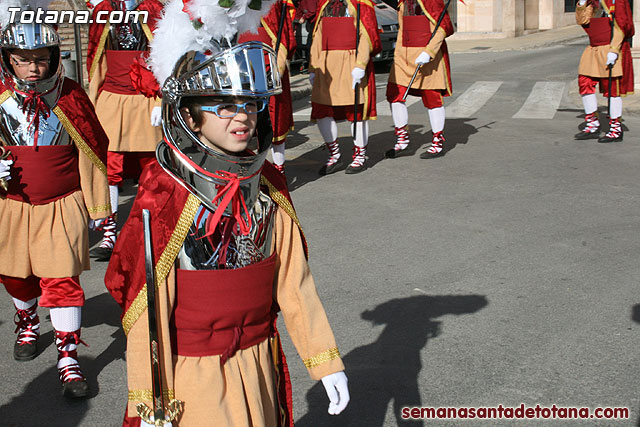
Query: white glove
{"x":423,"y":58}
{"x":612,"y":57}
{"x":582,"y":2}
{"x":337,"y":391}
{"x":156,"y":116}
{"x":312,"y":77}
{"x":144,"y":424}
{"x":4,"y":169}
{"x":357,"y":74}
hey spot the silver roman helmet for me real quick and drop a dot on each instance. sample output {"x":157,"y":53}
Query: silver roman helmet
{"x":244,"y":70}
{"x":32,"y":36}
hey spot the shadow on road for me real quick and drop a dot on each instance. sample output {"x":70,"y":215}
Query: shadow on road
{"x":42,"y":403}
{"x":387,"y":370}
{"x":635,"y":313}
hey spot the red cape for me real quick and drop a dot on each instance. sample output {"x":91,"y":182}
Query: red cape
{"x":154,"y":7}
{"x":75,"y":104}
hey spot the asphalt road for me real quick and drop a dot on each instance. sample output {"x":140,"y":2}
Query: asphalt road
{"x":504,"y":272}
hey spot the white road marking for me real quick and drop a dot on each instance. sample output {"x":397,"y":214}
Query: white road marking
{"x":472,"y":99}
{"x":543,"y":101}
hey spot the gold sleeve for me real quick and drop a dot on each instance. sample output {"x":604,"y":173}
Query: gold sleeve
{"x":296,"y":293}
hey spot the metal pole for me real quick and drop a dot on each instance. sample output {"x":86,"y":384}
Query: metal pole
{"x":78,"y":49}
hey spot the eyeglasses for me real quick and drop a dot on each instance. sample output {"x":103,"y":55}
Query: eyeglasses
{"x":227,"y":111}
{"x":40,"y":62}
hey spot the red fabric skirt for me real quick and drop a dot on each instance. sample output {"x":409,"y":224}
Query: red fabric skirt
{"x":119,"y":64}
{"x":43,"y":174}
{"x":415,"y":31}
{"x":338,"y":33}
{"x":218,"y":312}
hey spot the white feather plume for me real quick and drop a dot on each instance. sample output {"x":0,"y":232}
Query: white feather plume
{"x":5,"y":15}
{"x":175,"y":35}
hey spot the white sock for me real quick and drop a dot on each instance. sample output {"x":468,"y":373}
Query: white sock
{"x":436,"y":117}
{"x":328,"y":129}
{"x":616,"y":107}
{"x":400,"y":114}
{"x":590,"y":102}
{"x":277,"y":152}
{"x":113,"y":196}
{"x":66,"y":319}
{"x":24,"y":305}
{"x":362,"y":137}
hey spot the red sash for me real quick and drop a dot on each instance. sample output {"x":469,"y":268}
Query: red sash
{"x":338,"y":33}
{"x":415,"y":31}
{"x":118,"y":79}
{"x":599,"y":31}
{"x":222,"y":311}
{"x":262,"y":36}
{"x":41,"y":175}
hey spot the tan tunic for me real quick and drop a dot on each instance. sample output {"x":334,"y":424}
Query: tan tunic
{"x":432,"y":75}
{"x":125,"y":118}
{"x":333,"y":84}
{"x":52,"y":240}
{"x":241,"y":392}
{"x":594,"y":58}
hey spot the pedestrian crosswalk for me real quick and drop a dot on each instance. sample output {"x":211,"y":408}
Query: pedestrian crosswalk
{"x":542,"y":102}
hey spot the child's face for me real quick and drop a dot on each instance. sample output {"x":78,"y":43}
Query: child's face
{"x":229,"y":135}
{"x":30,"y":65}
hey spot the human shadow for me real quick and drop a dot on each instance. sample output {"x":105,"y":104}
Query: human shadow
{"x":103,"y":310}
{"x":387,"y":370}
{"x":635,"y":313}
{"x":42,"y":403}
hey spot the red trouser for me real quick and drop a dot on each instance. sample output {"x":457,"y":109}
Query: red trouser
{"x":431,"y":98}
{"x":58,"y":292}
{"x":588,"y":84}
{"x":129,"y":164}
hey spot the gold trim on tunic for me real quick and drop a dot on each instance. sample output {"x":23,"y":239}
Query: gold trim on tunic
{"x":147,"y":31}
{"x":324,"y":357}
{"x":139,"y":304}
{"x":146,"y":395}
{"x":80,"y":143}
{"x":98,"y":55}
{"x":100,"y":208}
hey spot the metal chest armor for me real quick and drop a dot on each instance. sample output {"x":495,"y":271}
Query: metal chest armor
{"x":16,"y":128}
{"x":336,"y":9}
{"x":240,"y":251}
{"x":127,"y":35}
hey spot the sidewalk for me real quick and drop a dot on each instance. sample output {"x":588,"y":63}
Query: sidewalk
{"x":301,"y":88}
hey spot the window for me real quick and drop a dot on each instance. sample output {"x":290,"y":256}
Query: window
{"x":569,"y":5}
